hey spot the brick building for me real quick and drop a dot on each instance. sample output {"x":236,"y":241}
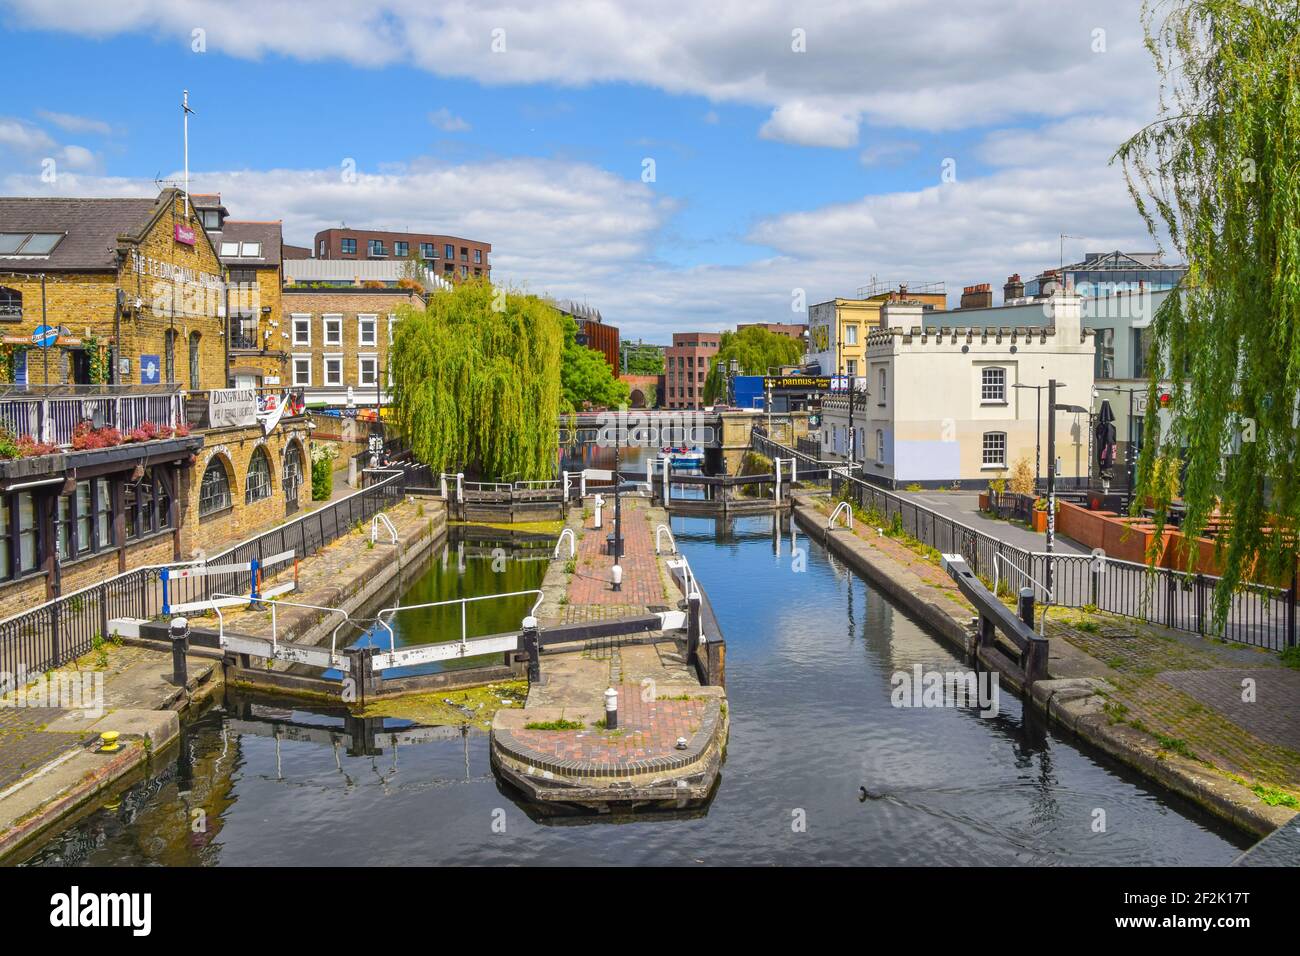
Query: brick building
{"x":338,"y":339}
{"x":449,"y":256}
{"x":686,"y":366}
{"x":102,"y":469}
{"x":791,"y":330}
{"x":593,"y":332}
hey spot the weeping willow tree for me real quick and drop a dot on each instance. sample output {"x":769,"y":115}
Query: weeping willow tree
{"x":1219,"y":173}
{"x":476,"y":382}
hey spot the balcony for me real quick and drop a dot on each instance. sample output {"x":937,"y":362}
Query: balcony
{"x":44,"y":418}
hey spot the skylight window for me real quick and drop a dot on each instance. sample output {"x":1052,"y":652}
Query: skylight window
{"x":230,"y":248}
{"x":251,"y":250}
{"x":29,"y":243}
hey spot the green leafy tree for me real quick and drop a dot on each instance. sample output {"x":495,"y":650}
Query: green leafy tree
{"x":644,"y":360}
{"x":586,"y":380}
{"x":755,"y":349}
{"x":476,"y":381}
{"x":1219,"y":173}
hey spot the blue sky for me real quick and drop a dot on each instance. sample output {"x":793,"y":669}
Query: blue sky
{"x":776,"y":169}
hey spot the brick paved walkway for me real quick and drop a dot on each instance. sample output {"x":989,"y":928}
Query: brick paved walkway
{"x":659,"y":694}
{"x":642,"y":583}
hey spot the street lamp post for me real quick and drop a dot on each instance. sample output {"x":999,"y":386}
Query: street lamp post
{"x":1052,"y":409}
{"x":1038,"y":429}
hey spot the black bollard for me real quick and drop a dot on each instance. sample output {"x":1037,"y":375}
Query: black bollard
{"x":179,"y":632}
{"x":529,"y":639}
{"x":1027,"y":606}
{"x":611,"y":709}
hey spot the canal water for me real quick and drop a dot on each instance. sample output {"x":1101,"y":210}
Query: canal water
{"x":811,"y":653}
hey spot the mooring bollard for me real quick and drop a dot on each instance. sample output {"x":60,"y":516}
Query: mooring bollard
{"x":616,"y":576}
{"x":1027,"y":606}
{"x":531,"y":645}
{"x":611,"y":709}
{"x":599,"y":504}
{"x":179,"y":632}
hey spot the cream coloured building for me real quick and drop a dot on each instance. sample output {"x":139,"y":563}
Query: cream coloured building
{"x":941,"y":405}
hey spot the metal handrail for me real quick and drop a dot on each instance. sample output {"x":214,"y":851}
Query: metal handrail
{"x":573,"y":543}
{"x":374,"y":526}
{"x":664,"y":529}
{"x":848,"y":516}
{"x":221,"y":621}
{"x":1045,"y":606}
{"x":390,"y":611}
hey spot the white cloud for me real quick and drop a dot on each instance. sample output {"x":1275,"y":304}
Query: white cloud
{"x":939,"y":66}
{"x":448,"y":122}
{"x":24,"y":137}
{"x":76,"y":124}
{"x":806,"y":125}
{"x":605,"y":228}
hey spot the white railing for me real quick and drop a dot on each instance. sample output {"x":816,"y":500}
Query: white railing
{"x":664,"y":529}
{"x":52,"y":419}
{"x":387,"y":613}
{"x":379,"y":518}
{"x":573,"y":542}
{"x":335,"y":659}
{"x":847,"y":510}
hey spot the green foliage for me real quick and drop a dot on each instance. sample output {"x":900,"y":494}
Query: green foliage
{"x":586,"y":380}
{"x":560,"y":724}
{"x":476,"y":382}
{"x":644,"y":360}
{"x":1218,"y":172}
{"x":322,"y":480}
{"x":755,"y":349}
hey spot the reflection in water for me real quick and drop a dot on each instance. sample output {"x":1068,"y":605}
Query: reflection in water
{"x":811,"y":650}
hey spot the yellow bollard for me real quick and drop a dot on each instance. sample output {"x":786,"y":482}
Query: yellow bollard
{"x":108,"y":742}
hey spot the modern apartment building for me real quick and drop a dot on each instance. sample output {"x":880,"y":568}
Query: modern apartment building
{"x":449,"y":256}
{"x":686,"y":365}
{"x":1102,"y":273}
{"x":593,"y":331}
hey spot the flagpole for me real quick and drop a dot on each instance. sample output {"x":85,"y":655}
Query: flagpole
{"x":185,"y":111}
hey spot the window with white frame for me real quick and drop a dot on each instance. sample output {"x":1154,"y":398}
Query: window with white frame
{"x":302,"y":370}
{"x":333,"y":366}
{"x":302,"y":330}
{"x":366,"y":329}
{"x":995,"y":450}
{"x":333,"y":329}
{"x":993,"y":384}
{"x":882,"y":383}
{"x":880,"y":447}
{"x":367,"y":369}
{"x":850,"y":335}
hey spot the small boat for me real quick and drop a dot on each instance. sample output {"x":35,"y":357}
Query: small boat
{"x":684,"y":457}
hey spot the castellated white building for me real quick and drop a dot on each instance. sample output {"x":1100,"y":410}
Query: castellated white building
{"x":941,"y":404}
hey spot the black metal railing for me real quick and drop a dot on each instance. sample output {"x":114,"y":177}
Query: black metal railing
{"x":1258,"y":614}
{"x":67,"y":627}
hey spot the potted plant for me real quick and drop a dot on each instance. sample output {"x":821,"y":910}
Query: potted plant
{"x":1039,"y":514}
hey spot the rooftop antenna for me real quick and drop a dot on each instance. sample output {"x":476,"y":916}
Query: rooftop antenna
{"x":185,"y":112}
{"x":1060,"y":275}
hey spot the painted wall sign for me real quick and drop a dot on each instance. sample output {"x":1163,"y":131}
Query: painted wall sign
{"x":232,"y":406}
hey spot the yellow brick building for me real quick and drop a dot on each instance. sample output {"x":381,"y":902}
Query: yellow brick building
{"x":134,"y":286}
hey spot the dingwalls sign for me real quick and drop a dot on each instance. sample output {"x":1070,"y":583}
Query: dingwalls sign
{"x":183,"y":234}
{"x":232,"y":406}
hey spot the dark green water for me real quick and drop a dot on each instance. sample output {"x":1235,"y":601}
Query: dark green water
{"x":810,"y":653}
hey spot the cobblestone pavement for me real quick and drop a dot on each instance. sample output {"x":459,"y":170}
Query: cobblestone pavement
{"x":1183,"y":689}
{"x":26,"y":745}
